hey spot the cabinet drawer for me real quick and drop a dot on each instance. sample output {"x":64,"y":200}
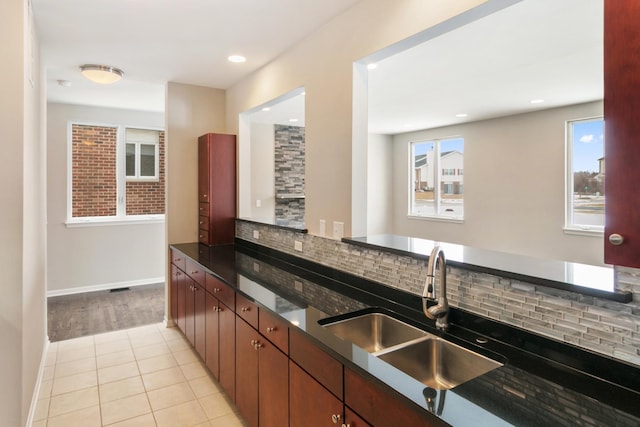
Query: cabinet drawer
{"x":275,"y":330}
{"x":203,"y":222}
{"x":195,"y":271}
{"x":203,"y":237}
{"x":373,"y":402}
{"x":178,"y":259}
{"x":203,"y":209}
{"x":247,"y":310}
{"x":324,"y":368}
{"x":221,"y":290}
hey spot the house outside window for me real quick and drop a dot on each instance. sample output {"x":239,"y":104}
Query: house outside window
{"x":437,"y":195}
{"x":117,"y":173}
{"x":585,"y":175}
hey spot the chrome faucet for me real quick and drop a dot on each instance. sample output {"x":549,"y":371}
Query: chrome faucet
{"x":440,"y":311}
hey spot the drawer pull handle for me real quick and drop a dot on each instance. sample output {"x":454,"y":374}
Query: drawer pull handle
{"x":216,"y":290}
{"x":335,"y":418}
{"x":269,"y":330}
{"x":244,"y":309}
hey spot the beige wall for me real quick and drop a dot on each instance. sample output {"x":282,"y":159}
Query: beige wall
{"x":514,"y":194}
{"x":90,"y":258}
{"x":23,"y":252}
{"x":191,"y":111}
{"x":380,"y":184}
{"x":263,"y":170}
{"x":323,"y":64}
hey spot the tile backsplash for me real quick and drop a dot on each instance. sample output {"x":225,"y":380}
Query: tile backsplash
{"x":602,"y":326}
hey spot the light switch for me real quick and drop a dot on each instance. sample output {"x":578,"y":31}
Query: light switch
{"x":338,"y":230}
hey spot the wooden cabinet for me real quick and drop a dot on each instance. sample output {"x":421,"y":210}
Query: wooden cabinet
{"x":622,"y":127}
{"x":216,"y":188}
{"x":261,"y":379}
{"x":247,"y":372}
{"x":220,"y":327}
{"x":310,"y":403}
{"x":277,"y":376}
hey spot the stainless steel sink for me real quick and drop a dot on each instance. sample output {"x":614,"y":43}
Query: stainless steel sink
{"x":439,"y":364}
{"x":374,"y":332}
{"x":427,"y":358}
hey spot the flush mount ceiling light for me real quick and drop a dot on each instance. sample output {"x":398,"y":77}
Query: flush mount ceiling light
{"x":102,"y":74}
{"x":237,"y":58}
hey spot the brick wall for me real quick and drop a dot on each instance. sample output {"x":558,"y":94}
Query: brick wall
{"x":94,"y":181}
{"x":148,"y":197}
{"x":93,"y":157}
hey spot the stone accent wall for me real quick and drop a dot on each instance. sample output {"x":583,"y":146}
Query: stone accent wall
{"x":289,"y":152}
{"x":603,"y":326}
{"x":93,"y":157}
{"x":145,"y":198}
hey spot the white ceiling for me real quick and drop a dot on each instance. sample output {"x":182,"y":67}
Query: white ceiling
{"x":492,"y":67}
{"x":535,"y":49}
{"x":156,"y":41}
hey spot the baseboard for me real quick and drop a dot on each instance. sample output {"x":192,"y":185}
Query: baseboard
{"x":36,"y":390}
{"x":105,"y":286}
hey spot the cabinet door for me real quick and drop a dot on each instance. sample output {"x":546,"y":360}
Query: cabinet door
{"x":212,"y":340}
{"x":173,"y":293}
{"x":247,"y":372}
{"x":189,"y":311}
{"x":622,"y":127}
{"x":351,"y":419}
{"x":273,"y":387}
{"x":203,"y":168}
{"x":199,"y":319}
{"x":182,"y":301}
{"x":227,"y":350}
{"x":310,"y":403}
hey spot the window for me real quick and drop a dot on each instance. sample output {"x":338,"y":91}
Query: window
{"x":116,"y":173}
{"x":433,"y":194}
{"x":585,"y":175}
{"x":142,"y":149}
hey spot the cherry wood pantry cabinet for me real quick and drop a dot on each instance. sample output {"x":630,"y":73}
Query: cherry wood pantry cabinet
{"x":622,"y":132}
{"x":216,"y":188}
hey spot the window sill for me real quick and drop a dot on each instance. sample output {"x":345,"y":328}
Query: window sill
{"x":110,"y":221}
{"x":591,"y":232}
{"x":437,"y":218}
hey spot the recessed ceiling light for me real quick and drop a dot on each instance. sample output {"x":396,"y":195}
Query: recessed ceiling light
{"x":461,"y":115}
{"x":266,"y":109}
{"x":64,"y":83}
{"x":372,"y":66}
{"x":102,"y":74}
{"x":537,"y":101}
{"x":293,"y":120}
{"x":237,"y":58}
{"x":303,"y":93}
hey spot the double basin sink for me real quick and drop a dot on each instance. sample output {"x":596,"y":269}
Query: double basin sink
{"x":433,"y":361}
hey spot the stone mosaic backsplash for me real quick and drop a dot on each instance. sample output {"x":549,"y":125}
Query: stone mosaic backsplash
{"x":602,"y":326}
{"x":289,"y":152}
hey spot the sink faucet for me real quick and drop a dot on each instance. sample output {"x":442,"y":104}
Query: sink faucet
{"x":440,"y":311}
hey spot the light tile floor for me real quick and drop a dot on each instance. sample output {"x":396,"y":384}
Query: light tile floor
{"x":146,"y":376}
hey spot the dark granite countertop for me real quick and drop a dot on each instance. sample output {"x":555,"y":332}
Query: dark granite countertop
{"x":586,"y":279}
{"x":542,"y":382}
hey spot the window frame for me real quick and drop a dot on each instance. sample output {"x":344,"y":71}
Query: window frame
{"x":569,"y":226}
{"x":437,"y":167}
{"x":121,"y":217}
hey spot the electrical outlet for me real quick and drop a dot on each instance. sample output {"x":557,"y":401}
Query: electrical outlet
{"x":338,"y":230}
{"x":256,"y":234}
{"x":323,"y":228}
{"x":298,"y":285}
{"x":256,"y":267}
{"x":297,"y":245}
{"x":258,"y":203}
